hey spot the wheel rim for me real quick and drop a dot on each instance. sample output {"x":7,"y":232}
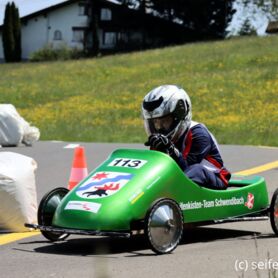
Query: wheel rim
{"x":275,"y":213}
{"x":165,"y":227}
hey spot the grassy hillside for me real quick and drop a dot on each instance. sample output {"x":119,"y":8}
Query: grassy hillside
{"x":233,"y":85}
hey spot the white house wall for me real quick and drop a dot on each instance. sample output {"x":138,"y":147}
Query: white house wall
{"x":64,"y":20}
{"x":38,"y":32}
{"x":33,"y":35}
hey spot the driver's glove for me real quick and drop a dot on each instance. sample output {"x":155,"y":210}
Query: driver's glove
{"x":160,"y":142}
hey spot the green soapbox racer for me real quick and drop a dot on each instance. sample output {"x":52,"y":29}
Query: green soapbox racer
{"x":145,"y":190}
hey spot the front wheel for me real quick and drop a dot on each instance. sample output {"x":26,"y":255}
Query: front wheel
{"x":164,"y":226}
{"x":274,"y":212}
{"x":46,"y":211}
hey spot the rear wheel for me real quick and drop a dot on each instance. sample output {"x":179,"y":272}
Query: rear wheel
{"x":46,"y":211}
{"x":164,"y":226}
{"x":274,"y":212}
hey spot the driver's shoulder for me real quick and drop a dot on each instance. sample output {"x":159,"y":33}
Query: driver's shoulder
{"x":198,"y":127}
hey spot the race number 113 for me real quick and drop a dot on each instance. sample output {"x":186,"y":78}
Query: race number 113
{"x":126,"y":162}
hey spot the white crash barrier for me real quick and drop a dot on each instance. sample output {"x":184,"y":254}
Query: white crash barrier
{"x":18,"y":196}
{"x":14,"y":129}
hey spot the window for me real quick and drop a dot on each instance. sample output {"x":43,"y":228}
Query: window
{"x":122,"y":37}
{"x":109,"y":38}
{"x":82,"y":9}
{"x":57,"y":35}
{"x":105,"y":14}
{"x":77,"y":35}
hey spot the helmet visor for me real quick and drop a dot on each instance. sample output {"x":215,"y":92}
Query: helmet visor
{"x":163,"y":125}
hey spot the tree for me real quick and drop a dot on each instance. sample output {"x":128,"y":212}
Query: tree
{"x":94,"y":8}
{"x":221,"y":14}
{"x":7,"y":37}
{"x":247,"y":29}
{"x":134,"y":4}
{"x":16,"y":33}
{"x":268,"y":7}
{"x":11,"y":35}
{"x":253,"y":14}
{"x":209,"y":18}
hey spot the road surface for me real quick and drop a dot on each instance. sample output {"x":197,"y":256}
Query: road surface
{"x":244,"y":249}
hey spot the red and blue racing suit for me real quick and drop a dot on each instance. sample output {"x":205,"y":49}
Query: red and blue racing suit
{"x":199,"y":157}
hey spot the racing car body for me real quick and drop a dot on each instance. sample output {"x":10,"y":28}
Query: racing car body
{"x":144,"y":189}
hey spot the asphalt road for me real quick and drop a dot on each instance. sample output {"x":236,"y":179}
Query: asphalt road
{"x":225,"y":250}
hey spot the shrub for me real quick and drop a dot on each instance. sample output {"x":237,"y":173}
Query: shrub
{"x":48,"y":53}
{"x":247,"y":29}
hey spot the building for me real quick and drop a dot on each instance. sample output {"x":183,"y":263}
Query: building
{"x":68,"y":23}
{"x":59,"y":23}
{"x":272,"y":27}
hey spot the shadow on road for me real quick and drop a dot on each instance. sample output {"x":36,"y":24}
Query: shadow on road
{"x":137,"y":245}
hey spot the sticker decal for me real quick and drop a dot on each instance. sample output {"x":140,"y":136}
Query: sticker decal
{"x":250,"y":201}
{"x":85,"y":206}
{"x":128,"y":162}
{"x":136,"y":196}
{"x":212,"y":203}
{"x":103,"y":184}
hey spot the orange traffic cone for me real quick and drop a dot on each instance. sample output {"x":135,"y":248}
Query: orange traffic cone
{"x":79,"y":167}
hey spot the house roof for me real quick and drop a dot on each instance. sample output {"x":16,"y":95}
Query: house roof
{"x":272,"y":27}
{"x":28,"y":7}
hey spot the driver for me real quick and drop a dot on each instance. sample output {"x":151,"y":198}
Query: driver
{"x":167,"y":118}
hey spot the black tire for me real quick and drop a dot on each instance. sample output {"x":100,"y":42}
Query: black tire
{"x":164,"y":226}
{"x":274,"y":212}
{"x":46,"y":211}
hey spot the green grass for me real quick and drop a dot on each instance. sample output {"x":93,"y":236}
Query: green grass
{"x":233,"y":85}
